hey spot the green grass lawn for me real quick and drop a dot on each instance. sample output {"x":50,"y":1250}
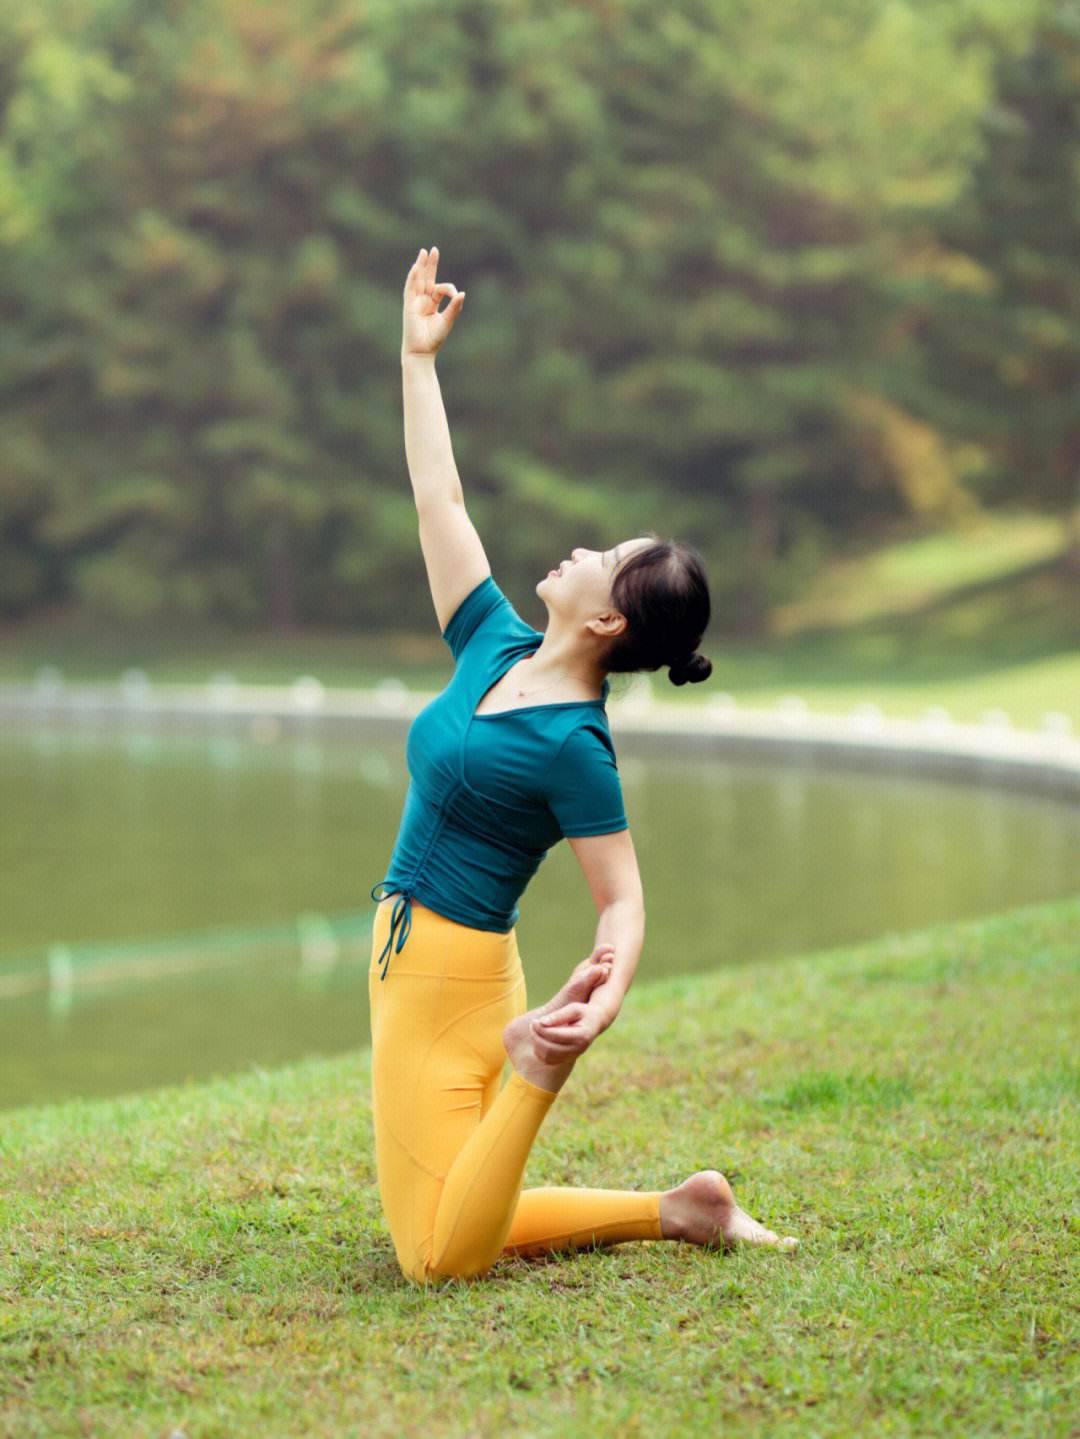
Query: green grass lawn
{"x":212,"y":1258}
{"x":983,"y":619}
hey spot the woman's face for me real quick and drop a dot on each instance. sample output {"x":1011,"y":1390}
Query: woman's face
{"x":581,"y":584}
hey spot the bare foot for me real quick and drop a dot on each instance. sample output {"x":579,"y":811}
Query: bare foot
{"x":702,"y":1210}
{"x":518,"y":1034}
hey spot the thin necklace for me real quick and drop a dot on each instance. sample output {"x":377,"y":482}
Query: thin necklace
{"x":524,"y":694}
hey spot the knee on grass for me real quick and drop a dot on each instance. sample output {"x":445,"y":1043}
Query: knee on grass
{"x":423,"y":1272}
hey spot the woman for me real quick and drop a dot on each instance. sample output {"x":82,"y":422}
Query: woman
{"x":514,"y":755}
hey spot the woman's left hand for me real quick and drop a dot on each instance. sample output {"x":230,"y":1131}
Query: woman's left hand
{"x":424,"y":326}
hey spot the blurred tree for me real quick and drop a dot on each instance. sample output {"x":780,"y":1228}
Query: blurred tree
{"x":688,"y":234}
{"x":1002,"y":332}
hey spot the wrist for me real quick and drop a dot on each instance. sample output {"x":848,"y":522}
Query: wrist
{"x":606,"y":1012}
{"x":424,"y":357}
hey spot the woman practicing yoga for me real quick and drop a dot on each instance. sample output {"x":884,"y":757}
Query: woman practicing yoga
{"x":511,"y":757}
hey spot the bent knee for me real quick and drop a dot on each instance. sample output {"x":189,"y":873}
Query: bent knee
{"x":426,"y":1271}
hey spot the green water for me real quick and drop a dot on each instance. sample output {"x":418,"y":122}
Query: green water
{"x":106,"y":840}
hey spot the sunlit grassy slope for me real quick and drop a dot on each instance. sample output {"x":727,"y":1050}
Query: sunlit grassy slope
{"x":917,"y":574}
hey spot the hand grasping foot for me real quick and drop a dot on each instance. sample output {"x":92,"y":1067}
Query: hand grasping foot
{"x":702,"y":1210}
{"x":518,"y":1034}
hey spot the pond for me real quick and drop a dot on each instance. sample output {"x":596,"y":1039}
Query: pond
{"x":205,"y":899}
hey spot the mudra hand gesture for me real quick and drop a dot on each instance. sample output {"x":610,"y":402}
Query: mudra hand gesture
{"x":425,"y":326}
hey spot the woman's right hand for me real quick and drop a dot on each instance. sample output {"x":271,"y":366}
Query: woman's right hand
{"x":424,"y":326}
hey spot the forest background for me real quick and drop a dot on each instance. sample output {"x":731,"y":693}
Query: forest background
{"x":784,"y":281}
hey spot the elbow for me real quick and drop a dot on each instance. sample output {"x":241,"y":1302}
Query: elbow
{"x":632,"y":906}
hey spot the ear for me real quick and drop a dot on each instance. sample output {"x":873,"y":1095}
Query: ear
{"x":608,"y":625}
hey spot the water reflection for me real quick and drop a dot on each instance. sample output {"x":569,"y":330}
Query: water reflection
{"x":147,"y":833}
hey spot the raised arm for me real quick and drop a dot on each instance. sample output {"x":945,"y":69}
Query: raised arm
{"x":453,"y":553}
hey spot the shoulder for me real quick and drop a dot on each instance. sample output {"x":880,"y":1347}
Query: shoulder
{"x":581,"y":786}
{"x":577,"y":750}
{"x":485,"y":612}
{"x":589,"y":734}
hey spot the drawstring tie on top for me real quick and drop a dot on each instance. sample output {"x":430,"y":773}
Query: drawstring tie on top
{"x":401,"y":914}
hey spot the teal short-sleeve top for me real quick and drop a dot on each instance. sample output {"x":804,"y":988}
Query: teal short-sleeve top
{"x":490,"y":794}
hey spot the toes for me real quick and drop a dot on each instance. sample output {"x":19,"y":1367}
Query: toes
{"x":766,"y":1236}
{"x":758,"y":1234}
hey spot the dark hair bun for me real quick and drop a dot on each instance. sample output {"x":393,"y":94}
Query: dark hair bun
{"x":662,"y":592}
{"x":691,"y":670}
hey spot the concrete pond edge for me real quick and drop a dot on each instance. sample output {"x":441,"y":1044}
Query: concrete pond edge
{"x":1045,"y":761}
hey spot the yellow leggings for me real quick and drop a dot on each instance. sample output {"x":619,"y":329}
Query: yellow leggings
{"x":450,"y":1145}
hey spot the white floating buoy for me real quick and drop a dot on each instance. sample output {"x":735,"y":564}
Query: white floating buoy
{"x":61,"y":968}
{"x":222,"y":688}
{"x":391,"y":692}
{"x":319,"y":945}
{"x":868,"y":716}
{"x":721,"y":703}
{"x":307,"y":692}
{"x":792,"y":707}
{"x":996,"y":719}
{"x":135,"y":685}
{"x":936,"y":717}
{"x":1054,"y":722}
{"x":48,"y":680}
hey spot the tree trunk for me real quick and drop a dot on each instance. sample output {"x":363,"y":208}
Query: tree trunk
{"x":762,"y":542}
{"x":281,"y":582}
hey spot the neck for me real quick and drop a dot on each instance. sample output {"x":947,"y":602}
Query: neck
{"x":561,"y":656}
